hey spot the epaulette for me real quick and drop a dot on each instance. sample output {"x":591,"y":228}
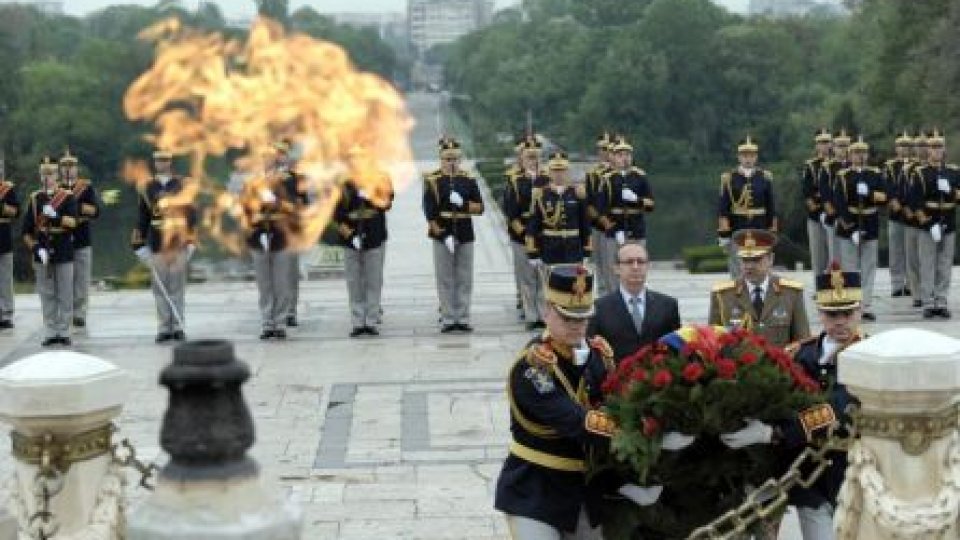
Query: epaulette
{"x":767,"y":174}
{"x":725,"y":177}
{"x":602,"y":346}
{"x":724,"y":286}
{"x":432,"y":175}
{"x":540,"y":355}
{"x":873,"y":169}
{"x":638,"y":170}
{"x":793,"y":348}
{"x":792,"y":284}
{"x":465,"y":173}
{"x":600,"y":423}
{"x":953,"y":167}
{"x":580,"y":190}
{"x":607,"y":174}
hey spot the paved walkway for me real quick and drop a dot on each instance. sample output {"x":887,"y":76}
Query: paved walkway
{"x":395,"y":437}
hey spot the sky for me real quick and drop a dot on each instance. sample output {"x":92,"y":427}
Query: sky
{"x":236,"y":8}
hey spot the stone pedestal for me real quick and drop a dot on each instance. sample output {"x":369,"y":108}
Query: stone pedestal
{"x":60,"y":405}
{"x":904,"y":475}
{"x":210,"y":489}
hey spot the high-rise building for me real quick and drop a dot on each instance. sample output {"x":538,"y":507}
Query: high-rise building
{"x":434,"y":22}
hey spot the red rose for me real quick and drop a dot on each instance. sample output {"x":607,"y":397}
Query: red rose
{"x":693,"y":371}
{"x":726,"y":368}
{"x":748,"y":358}
{"x":658,"y":359}
{"x":610,"y":384}
{"x":662,"y":378}
{"x":650,"y":426}
{"x":640,"y":375}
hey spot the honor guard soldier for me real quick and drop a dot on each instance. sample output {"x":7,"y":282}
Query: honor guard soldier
{"x":913,"y":229}
{"x":816,"y":233}
{"x":893,"y":177}
{"x":509,"y":173}
{"x":746,"y":200}
{"x":451,"y":197}
{"x":767,"y":304}
{"x":827,"y":181}
{"x":553,"y":388}
{"x":361,"y":220}
{"x":859,"y":194}
{"x":283,"y":166}
{"x":624,"y":197}
{"x":269,"y":215}
{"x":594,"y":183}
{"x":838,"y":302}
{"x":9,"y":210}
{"x":517,"y":210}
{"x":48,"y":234}
{"x":165,"y":240}
{"x":936,"y":191}
{"x":88,"y":209}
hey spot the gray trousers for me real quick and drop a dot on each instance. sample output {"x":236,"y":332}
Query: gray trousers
{"x":171,"y":269}
{"x":529,"y":283}
{"x":454,"y":273}
{"x":819,"y":250}
{"x":816,"y":523}
{"x":863,"y":259}
{"x":833,"y":244}
{"x":522,"y":528}
{"x":911,"y":237}
{"x":273,"y":283}
{"x":294,"y":283}
{"x":601,"y":263}
{"x":6,"y":286}
{"x":55,"y":287}
{"x":936,"y":268}
{"x":897,"y":250}
{"x":82,"y":263}
{"x":364,"y":271}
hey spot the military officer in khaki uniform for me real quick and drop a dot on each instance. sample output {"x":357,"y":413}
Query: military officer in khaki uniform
{"x":769,"y":305}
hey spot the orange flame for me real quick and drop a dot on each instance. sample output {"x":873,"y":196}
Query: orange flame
{"x":206,"y":94}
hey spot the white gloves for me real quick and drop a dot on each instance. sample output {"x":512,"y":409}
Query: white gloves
{"x":49,"y":211}
{"x":723,"y":242}
{"x":456,"y":199}
{"x":855,"y":238}
{"x":267,"y":196}
{"x":43,"y":255}
{"x":621,"y":237}
{"x":862,"y":189}
{"x":628,"y":195}
{"x":265,"y":241}
{"x":191,"y":249}
{"x":143,"y":253}
{"x":357,"y":243}
{"x":642,"y":496}
{"x":450,"y":243}
{"x":673,"y":441}
{"x":756,"y":432}
{"x":535,"y":263}
{"x":943,"y":185}
{"x":363,"y":195}
{"x":823,"y":219}
{"x":936,"y":232}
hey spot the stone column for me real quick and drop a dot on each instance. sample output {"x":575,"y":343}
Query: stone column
{"x":60,"y":405}
{"x":210,"y":488}
{"x":903,"y":480}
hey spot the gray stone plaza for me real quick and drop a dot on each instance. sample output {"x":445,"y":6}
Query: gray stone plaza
{"x":399,"y":436}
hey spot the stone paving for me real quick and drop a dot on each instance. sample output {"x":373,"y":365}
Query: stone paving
{"x":395,"y":437}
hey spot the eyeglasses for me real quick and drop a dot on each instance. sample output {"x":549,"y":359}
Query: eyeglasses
{"x":634,"y":261}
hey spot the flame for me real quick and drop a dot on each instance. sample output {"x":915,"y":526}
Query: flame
{"x":206,"y":94}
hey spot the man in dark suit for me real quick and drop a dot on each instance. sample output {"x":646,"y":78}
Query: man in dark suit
{"x":632,"y":315}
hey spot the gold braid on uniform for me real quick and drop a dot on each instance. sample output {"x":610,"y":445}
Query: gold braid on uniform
{"x":602,"y":346}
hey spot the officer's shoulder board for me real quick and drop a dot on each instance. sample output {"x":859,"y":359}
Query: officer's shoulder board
{"x":638,"y":170}
{"x":431,"y":176}
{"x":767,"y":174}
{"x":953,"y":166}
{"x":873,"y":169}
{"x":540,"y":355}
{"x":606,"y":174}
{"x":724,"y":286}
{"x":604,"y":349}
{"x":790,"y":284}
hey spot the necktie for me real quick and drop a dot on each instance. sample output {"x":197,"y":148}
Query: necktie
{"x":758,"y":300}
{"x":636,"y":311}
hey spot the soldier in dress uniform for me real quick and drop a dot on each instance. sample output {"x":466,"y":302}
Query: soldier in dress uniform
{"x":827,"y":181}
{"x":165,"y":239}
{"x":9,"y":210}
{"x":88,"y":209}
{"x":283,"y":166}
{"x":509,"y":175}
{"x":838,"y":302}
{"x":913,"y":229}
{"x":624,"y":195}
{"x":518,"y":199}
{"x":935,"y":192}
{"x":451,"y":197}
{"x":894,"y":180}
{"x":361,"y":220}
{"x":594,"y":183}
{"x":48,"y":225}
{"x":768,"y":304}
{"x":746,"y":200}
{"x":553,"y":389}
{"x":816,"y":233}
{"x":858,"y":195}
{"x":269,"y":216}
